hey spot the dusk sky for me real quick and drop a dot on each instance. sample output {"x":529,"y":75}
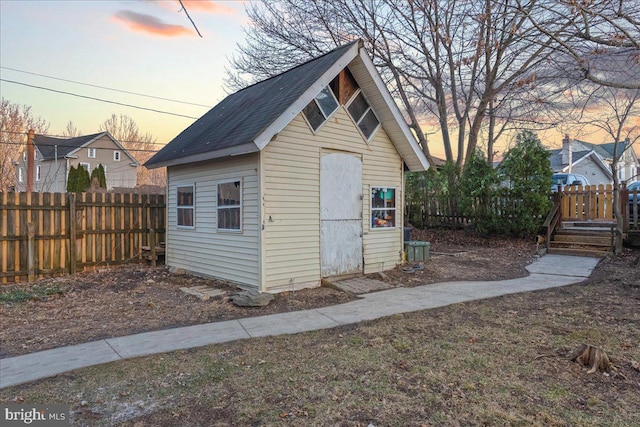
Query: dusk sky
{"x":146,"y":47}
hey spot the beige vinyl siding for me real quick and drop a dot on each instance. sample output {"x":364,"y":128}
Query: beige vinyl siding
{"x":291,"y":198}
{"x":203,"y":249}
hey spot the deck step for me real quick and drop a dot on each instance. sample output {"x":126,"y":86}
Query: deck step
{"x":578,"y":252}
{"x":581,"y":239}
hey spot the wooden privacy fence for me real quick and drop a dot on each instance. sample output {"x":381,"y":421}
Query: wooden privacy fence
{"x":589,"y":202}
{"x":44,"y":234}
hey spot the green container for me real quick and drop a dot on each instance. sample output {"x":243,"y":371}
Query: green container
{"x":417,"y":251}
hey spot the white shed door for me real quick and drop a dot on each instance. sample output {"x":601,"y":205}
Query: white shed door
{"x":340,"y":214}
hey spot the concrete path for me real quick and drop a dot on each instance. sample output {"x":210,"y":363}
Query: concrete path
{"x":547,"y":272}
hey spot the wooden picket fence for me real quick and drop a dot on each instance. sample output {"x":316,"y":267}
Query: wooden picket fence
{"x":44,"y":234}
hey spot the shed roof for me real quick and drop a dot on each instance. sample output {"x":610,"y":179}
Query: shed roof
{"x":247,"y":120}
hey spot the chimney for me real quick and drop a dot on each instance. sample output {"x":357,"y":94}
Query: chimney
{"x":30,"y":160}
{"x":567,"y":154}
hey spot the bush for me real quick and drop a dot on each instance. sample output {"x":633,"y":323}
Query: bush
{"x":478,"y":184}
{"x":527,"y":174}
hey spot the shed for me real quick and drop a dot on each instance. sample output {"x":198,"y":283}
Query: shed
{"x":293,"y":179}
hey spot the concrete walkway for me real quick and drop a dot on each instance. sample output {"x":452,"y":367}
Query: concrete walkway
{"x":547,"y":272}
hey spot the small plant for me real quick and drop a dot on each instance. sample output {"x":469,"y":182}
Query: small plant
{"x":19,"y":294}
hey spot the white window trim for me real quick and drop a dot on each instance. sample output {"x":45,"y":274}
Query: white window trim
{"x":38,"y":173}
{"x":88,"y":166}
{"x":116,"y":154}
{"x":193,"y":206}
{"x":20,"y":175}
{"x":91,"y":151}
{"x":230,"y":230}
{"x":357,"y":123}
{"x":395,"y":208}
{"x":326,"y":118}
{"x":24,"y":156}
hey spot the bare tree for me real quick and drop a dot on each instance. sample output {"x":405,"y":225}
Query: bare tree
{"x":593,"y":37}
{"x":16,"y":122}
{"x":71,"y":131}
{"x":618,"y":112}
{"x":141,"y":145}
{"x":456,"y":60}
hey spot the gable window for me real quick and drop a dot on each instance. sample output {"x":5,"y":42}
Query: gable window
{"x":318,"y":111}
{"x":362,"y":113}
{"x":383,"y":207}
{"x":86,"y":166}
{"x":91,"y":153}
{"x":116,"y":156}
{"x":20,"y":175}
{"x":38,"y":175}
{"x":186,"y":206}
{"x":230,"y":205}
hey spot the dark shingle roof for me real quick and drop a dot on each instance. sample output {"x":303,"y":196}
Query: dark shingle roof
{"x":242,"y":116}
{"x":47,"y":144}
{"x":555,"y":158}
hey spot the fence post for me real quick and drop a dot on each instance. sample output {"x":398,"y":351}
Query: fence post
{"x":72,"y":233}
{"x":152,"y":246}
{"x":31,"y":252}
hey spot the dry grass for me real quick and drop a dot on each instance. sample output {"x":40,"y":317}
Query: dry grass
{"x":502,"y":361}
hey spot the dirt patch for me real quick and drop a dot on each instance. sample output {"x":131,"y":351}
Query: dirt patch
{"x":137,"y":298}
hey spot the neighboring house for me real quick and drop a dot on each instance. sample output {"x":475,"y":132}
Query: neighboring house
{"x":48,"y":166}
{"x":594,"y":161}
{"x":292,"y":179}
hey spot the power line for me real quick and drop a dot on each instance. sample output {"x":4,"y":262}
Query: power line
{"x":99,"y":99}
{"x":105,"y":87}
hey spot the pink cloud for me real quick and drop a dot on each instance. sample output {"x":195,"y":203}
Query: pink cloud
{"x":150,"y":24}
{"x":208,"y":6}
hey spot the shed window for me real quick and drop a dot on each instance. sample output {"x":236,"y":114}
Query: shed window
{"x":363,"y":115}
{"x":318,"y":111}
{"x":91,"y":153}
{"x":230,"y":205}
{"x":186,"y":206}
{"x":383,"y":207}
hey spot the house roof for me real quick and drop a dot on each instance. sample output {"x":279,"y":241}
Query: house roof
{"x":557,"y":165}
{"x":66,"y":147}
{"x":47,"y":144}
{"x":247,"y":120}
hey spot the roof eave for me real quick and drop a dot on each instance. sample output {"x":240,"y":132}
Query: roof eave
{"x":238,"y":150}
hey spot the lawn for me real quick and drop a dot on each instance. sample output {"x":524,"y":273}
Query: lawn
{"x":502,"y":361}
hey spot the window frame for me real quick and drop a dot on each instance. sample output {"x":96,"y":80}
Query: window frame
{"x":191,"y":207}
{"x":225,"y":207}
{"x":364,"y":114}
{"x":319,"y":106}
{"x":91,"y":150}
{"x":38,"y":173}
{"x":394,"y":208}
{"x":24,"y":156}
{"x":88,"y":168}
{"x":20,"y":175}
{"x":116,"y":154}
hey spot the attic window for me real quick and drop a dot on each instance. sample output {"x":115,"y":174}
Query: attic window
{"x":318,"y":111}
{"x":363,"y":115}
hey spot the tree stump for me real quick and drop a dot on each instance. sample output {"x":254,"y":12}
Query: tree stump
{"x":593,"y":358}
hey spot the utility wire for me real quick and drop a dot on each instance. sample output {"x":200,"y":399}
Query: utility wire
{"x":107,"y":88}
{"x":188,"y":16}
{"x":99,"y":99}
